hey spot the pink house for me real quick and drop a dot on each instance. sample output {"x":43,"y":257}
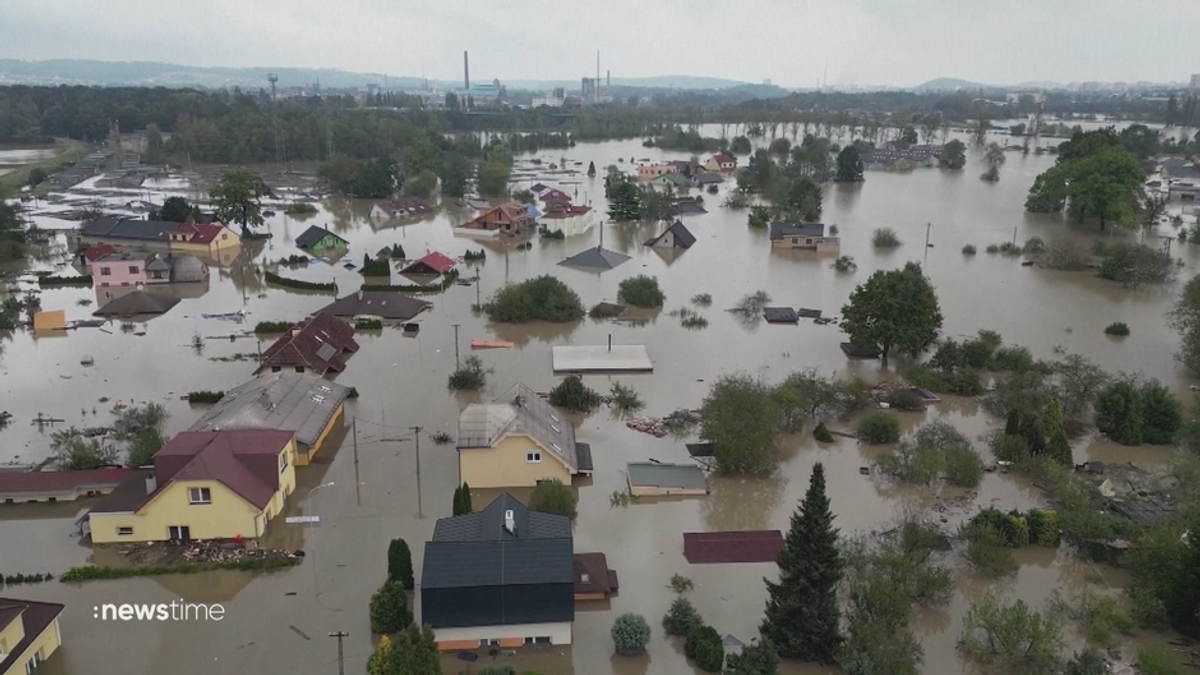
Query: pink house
{"x":121,"y":269}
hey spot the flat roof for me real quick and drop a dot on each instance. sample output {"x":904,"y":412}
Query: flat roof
{"x":682,"y":476}
{"x":602,"y":358}
{"x":732,"y":547}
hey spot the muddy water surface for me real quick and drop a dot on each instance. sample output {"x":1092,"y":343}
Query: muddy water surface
{"x":278,"y":623}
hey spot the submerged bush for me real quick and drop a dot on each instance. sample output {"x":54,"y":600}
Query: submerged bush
{"x":543,"y":298}
{"x":1117,"y":328}
{"x":879,"y":428}
{"x":885,"y":237}
{"x":969,"y":249}
{"x":641,"y":291}
{"x":574,"y":396}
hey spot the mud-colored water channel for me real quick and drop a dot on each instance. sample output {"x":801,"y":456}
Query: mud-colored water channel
{"x":402,"y":382}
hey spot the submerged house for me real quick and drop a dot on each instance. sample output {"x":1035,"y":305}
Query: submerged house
{"x":510,"y":218}
{"x":675,"y":236}
{"x":501,"y":577}
{"x":381,"y":305}
{"x":652,"y":171}
{"x":58,"y":486}
{"x":29,"y":634}
{"x":570,"y":219}
{"x":320,"y":241}
{"x":430,"y":264}
{"x":306,"y":405}
{"x":810,"y":236}
{"x":518,"y":441}
{"x":722,"y":161}
{"x":202,"y":485}
{"x":400,"y":208}
{"x":123,"y":233}
{"x":675,"y":181}
{"x":314,"y":345}
{"x":138,"y":268}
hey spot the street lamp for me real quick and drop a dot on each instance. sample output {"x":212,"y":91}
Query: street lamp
{"x":309,"y":506}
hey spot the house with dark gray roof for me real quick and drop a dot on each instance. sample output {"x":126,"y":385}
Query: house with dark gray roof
{"x":675,"y":236}
{"x":595,"y":259}
{"x":810,"y":236}
{"x":501,"y":577}
{"x":384,"y":305}
{"x":518,"y":440}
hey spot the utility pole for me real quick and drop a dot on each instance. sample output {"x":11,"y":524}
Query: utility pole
{"x":456,"y":345}
{"x":417,"y":439}
{"x":341,"y":661}
{"x":1014,"y":236}
{"x":927,"y":227}
{"x":354,"y":432}
{"x":478,"y":302}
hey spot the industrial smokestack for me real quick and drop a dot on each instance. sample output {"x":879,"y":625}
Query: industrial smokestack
{"x":607,"y":78}
{"x":466,"y":71}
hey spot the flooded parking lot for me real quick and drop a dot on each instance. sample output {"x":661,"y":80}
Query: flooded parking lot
{"x":278,"y":622}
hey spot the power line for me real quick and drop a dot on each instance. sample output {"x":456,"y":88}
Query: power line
{"x":341,"y":655}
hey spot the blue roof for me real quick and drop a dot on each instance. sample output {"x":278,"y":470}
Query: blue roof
{"x":533,"y":211}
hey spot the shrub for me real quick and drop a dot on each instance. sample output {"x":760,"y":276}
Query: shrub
{"x":272,"y":278}
{"x":48,"y":281}
{"x":821,"y":433}
{"x":1009,"y":248}
{"x":993,"y":248}
{"x":906,"y":399}
{"x":844,"y":264}
{"x":205,"y":396}
{"x":681,"y":584}
{"x":964,"y":467}
{"x":497,"y":669}
{"x":1034,"y":246}
{"x":630,"y":634}
{"x":625,"y":398}
{"x":400,"y":567}
{"x":682,"y":618}
{"x":1043,"y":527}
{"x":551,"y":496}
{"x":574,"y":396}
{"x":1064,"y":256}
{"x":469,"y":376}
{"x":448,"y":279}
{"x":1011,"y":637}
{"x":697,"y":640}
{"x":375,"y":267}
{"x":1155,"y":660}
{"x":879,"y":428}
{"x":969,"y":249}
{"x":1133,"y":265}
{"x":271,"y":327}
{"x":1117,"y":328}
{"x":1162,"y":415}
{"x":885,"y":237}
{"x":605,"y":310}
{"x":389,"y":609}
{"x":368,"y":324}
{"x":641,"y":291}
{"x":542,"y":298}
{"x":964,"y":382}
{"x":299,"y":208}
{"x":987,"y":551}
{"x":702,"y":300}
{"x":1012,"y":360}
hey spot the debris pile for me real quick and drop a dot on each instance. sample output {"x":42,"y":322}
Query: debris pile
{"x":679,"y":422}
{"x":212,"y":550}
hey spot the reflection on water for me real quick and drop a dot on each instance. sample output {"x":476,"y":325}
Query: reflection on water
{"x":402,"y":382}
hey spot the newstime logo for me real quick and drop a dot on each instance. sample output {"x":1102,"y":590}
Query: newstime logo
{"x":163,"y":611}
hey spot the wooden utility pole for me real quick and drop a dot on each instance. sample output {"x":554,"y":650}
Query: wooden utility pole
{"x":354,"y":432}
{"x":417,"y":439}
{"x":456,"y":345}
{"x":341,"y":660}
{"x":927,"y":228}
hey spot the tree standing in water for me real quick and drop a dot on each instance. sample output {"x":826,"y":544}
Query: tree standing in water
{"x":802,"y":607}
{"x":238,"y":198}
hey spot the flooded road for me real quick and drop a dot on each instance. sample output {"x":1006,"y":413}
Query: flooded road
{"x":278,"y":623}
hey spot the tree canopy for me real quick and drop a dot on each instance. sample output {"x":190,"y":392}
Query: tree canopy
{"x":1093,"y":177}
{"x":238,"y":198}
{"x":850,"y":167}
{"x":894,"y":309}
{"x":739,"y":417}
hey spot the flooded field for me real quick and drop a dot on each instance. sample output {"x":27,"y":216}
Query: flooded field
{"x":11,"y":158}
{"x":279,"y":622}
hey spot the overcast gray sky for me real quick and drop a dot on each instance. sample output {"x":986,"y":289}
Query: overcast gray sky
{"x":888,"y":42}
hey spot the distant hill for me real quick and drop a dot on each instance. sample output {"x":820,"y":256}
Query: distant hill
{"x":951,"y":84}
{"x":150,"y":73}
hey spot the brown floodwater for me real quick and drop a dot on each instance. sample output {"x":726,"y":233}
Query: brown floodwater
{"x":278,"y":623}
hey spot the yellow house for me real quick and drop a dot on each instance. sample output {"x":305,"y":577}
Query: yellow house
{"x":203,"y":485}
{"x":206,"y":239}
{"x":29,"y":634}
{"x":517,"y":441}
{"x":311,"y":406}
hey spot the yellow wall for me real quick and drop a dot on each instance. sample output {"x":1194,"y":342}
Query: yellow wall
{"x":232,"y":240}
{"x":504,"y":465}
{"x":226,"y":517}
{"x":304,"y":459}
{"x":45,"y":645}
{"x":11,"y":634}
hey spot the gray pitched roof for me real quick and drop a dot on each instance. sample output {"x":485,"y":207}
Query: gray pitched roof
{"x":595,"y":259}
{"x":137,"y":302}
{"x":122,"y":227}
{"x":683,"y":237}
{"x":519,"y":411}
{"x":286,"y":401}
{"x":708,"y":178}
{"x":393,"y":306}
{"x":313,"y":235}
{"x":476,"y":550}
{"x":781,"y":230}
{"x":688,"y":207}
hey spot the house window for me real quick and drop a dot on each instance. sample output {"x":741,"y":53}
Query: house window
{"x":543,"y":640}
{"x":105,"y":271}
{"x":299,"y":369}
{"x":133,"y":269}
{"x":276,"y":369}
{"x":199,"y":495}
{"x":808,"y":241}
{"x":283,"y":461}
{"x":125,"y":531}
{"x":224,"y":236}
{"x":795,"y":240}
{"x":533,"y":457}
{"x":485,"y":642}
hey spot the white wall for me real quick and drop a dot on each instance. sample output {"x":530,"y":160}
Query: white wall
{"x":559,"y":633}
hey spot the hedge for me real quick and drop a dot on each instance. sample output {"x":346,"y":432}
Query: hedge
{"x":65,"y":281}
{"x":368,"y":324}
{"x":205,"y":396}
{"x":272,"y":278}
{"x":447,"y":281}
{"x":94,"y":572}
{"x":268,"y":327}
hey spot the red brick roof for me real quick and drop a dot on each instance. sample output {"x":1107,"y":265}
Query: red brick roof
{"x":724,"y":158}
{"x":435,"y":261}
{"x":732,"y":547}
{"x":304,"y":345}
{"x":98,"y":251}
{"x":201,"y":233}
{"x":243,"y":460}
{"x":13,"y":482}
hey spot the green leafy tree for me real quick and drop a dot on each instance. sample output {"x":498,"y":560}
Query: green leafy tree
{"x":802,"y":614}
{"x":631,"y":634}
{"x":757,"y":658}
{"x":624,"y":198}
{"x":1057,"y":446}
{"x":574,"y":396}
{"x":454,"y":174}
{"x":423,"y":155}
{"x":415,"y":651}
{"x":640,"y":291}
{"x":682,"y":618}
{"x":238,"y":199}
{"x":36,"y":176}
{"x":740,"y":145}
{"x":176,"y":210}
{"x":543,"y":298}
{"x":908,"y":134}
{"x":1095,"y":176}
{"x":462,"y":500}
{"x":929,"y":127}
{"x":74,"y":452}
{"x":1119,"y":413}
{"x":143,"y":447}
{"x":400,"y":567}
{"x":389,"y":609}
{"x":155,"y":148}
{"x":994,"y":158}
{"x":954,"y":155}
{"x":704,"y":646}
{"x":493,"y":179}
{"x":1162,"y":416}
{"x":551,"y":496}
{"x":1184,"y":319}
{"x":894,"y":309}
{"x":1011,"y":636}
{"x":421,"y":185}
{"x":12,"y":233}
{"x":740,"y":417}
{"x":381,"y":660}
{"x":591,"y":172}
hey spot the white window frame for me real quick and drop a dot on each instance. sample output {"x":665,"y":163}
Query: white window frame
{"x":283,"y":461}
{"x":533,"y":457}
{"x":199,"y":496}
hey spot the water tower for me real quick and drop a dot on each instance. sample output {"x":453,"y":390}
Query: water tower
{"x":279,"y":152}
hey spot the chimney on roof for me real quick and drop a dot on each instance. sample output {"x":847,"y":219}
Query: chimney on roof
{"x":360,"y":295}
{"x":151,"y":483}
{"x":510,"y":523}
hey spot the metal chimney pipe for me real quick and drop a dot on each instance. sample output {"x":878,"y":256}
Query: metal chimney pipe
{"x":466,"y":71}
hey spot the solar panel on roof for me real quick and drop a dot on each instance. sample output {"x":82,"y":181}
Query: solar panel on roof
{"x":326,"y":352}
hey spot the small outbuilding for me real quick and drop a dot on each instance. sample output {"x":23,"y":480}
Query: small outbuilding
{"x":137,"y":303}
{"x":732,"y":547}
{"x":780,"y":315}
{"x":50,"y":319}
{"x":650,"y":479}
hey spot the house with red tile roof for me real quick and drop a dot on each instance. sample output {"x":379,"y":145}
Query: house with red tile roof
{"x":58,"y":486}
{"x":124,"y":234}
{"x":722,"y":161}
{"x":510,"y":218}
{"x":314,"y":345}
{"x":430,"y":264}
{"x":202,"y":485}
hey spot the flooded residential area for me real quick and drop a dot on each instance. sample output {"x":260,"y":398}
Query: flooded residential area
{"x":303,"y":422}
